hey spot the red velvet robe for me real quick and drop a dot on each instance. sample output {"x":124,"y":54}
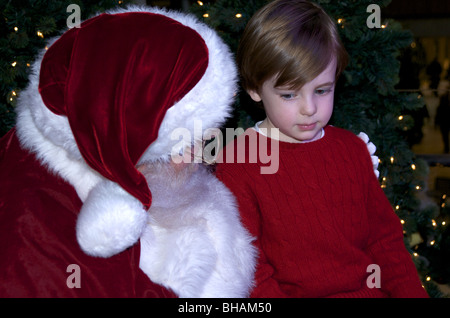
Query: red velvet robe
{"x":38,"y":212}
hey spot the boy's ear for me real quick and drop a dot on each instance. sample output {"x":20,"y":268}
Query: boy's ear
{"x":254,"y":95}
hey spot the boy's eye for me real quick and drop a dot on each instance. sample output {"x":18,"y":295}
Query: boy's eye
{"x":287,"y":96}
{"x":323,"y":91}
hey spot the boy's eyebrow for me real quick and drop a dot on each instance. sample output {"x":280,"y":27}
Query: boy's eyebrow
{"x":287,"y":88}
{"x":326,"y":84}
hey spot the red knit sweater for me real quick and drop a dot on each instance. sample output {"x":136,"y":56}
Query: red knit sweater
{"x":320,"y":220}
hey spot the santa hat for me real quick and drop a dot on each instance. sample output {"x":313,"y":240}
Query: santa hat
{"x":125,"y":80}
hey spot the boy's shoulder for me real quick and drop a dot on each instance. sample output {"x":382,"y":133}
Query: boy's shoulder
{"x":246,"y":133}
{"x":340,"y":132}
{"x":243,"y":149}
{"x":346,"y":139}
{"x":245,"y":138}
{"x":343,"y":134}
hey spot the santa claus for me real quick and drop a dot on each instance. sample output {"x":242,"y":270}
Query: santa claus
{"x":91,"y":202}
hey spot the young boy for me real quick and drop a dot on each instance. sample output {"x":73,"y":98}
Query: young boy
{"x":322,"y":224}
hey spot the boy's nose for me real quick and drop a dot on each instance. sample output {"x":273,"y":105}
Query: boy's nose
{"x":308,"y":107}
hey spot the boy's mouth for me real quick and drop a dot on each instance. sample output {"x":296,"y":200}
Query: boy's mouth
{"x":307,"y":127}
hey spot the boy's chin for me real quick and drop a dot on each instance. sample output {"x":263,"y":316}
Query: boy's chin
{"x":301,"y":136}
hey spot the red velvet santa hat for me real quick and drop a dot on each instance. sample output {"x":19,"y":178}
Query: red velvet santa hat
{"x":115,"y":78}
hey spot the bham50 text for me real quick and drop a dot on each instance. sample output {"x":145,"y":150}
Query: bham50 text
{"x":246,"y":307}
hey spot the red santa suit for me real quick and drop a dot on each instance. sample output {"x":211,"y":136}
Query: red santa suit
{"x":77,"y":216}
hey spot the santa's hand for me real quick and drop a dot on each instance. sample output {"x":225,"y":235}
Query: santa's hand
{"x":372,"y":148}
{"x":110,"y":221}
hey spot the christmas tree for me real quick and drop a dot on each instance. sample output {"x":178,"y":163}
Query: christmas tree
{"x":366,"y":100}
{"x":25,"y":27}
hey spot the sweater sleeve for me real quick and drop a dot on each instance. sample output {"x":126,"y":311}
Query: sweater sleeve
{"x":234,"y":176}
{"x":399,"y":277}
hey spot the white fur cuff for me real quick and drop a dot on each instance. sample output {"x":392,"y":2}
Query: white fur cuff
{"x":110,"y":220}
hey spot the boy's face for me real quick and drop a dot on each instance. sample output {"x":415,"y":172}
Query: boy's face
{"x":301,"y":114}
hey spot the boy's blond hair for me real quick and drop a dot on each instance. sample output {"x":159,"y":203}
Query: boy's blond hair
{"x":294,"y":40}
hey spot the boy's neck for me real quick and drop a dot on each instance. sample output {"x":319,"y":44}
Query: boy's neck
{"x":266,"y":128}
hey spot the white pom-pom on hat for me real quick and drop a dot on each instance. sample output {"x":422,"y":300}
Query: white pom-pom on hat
{"x":110,"y":221}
